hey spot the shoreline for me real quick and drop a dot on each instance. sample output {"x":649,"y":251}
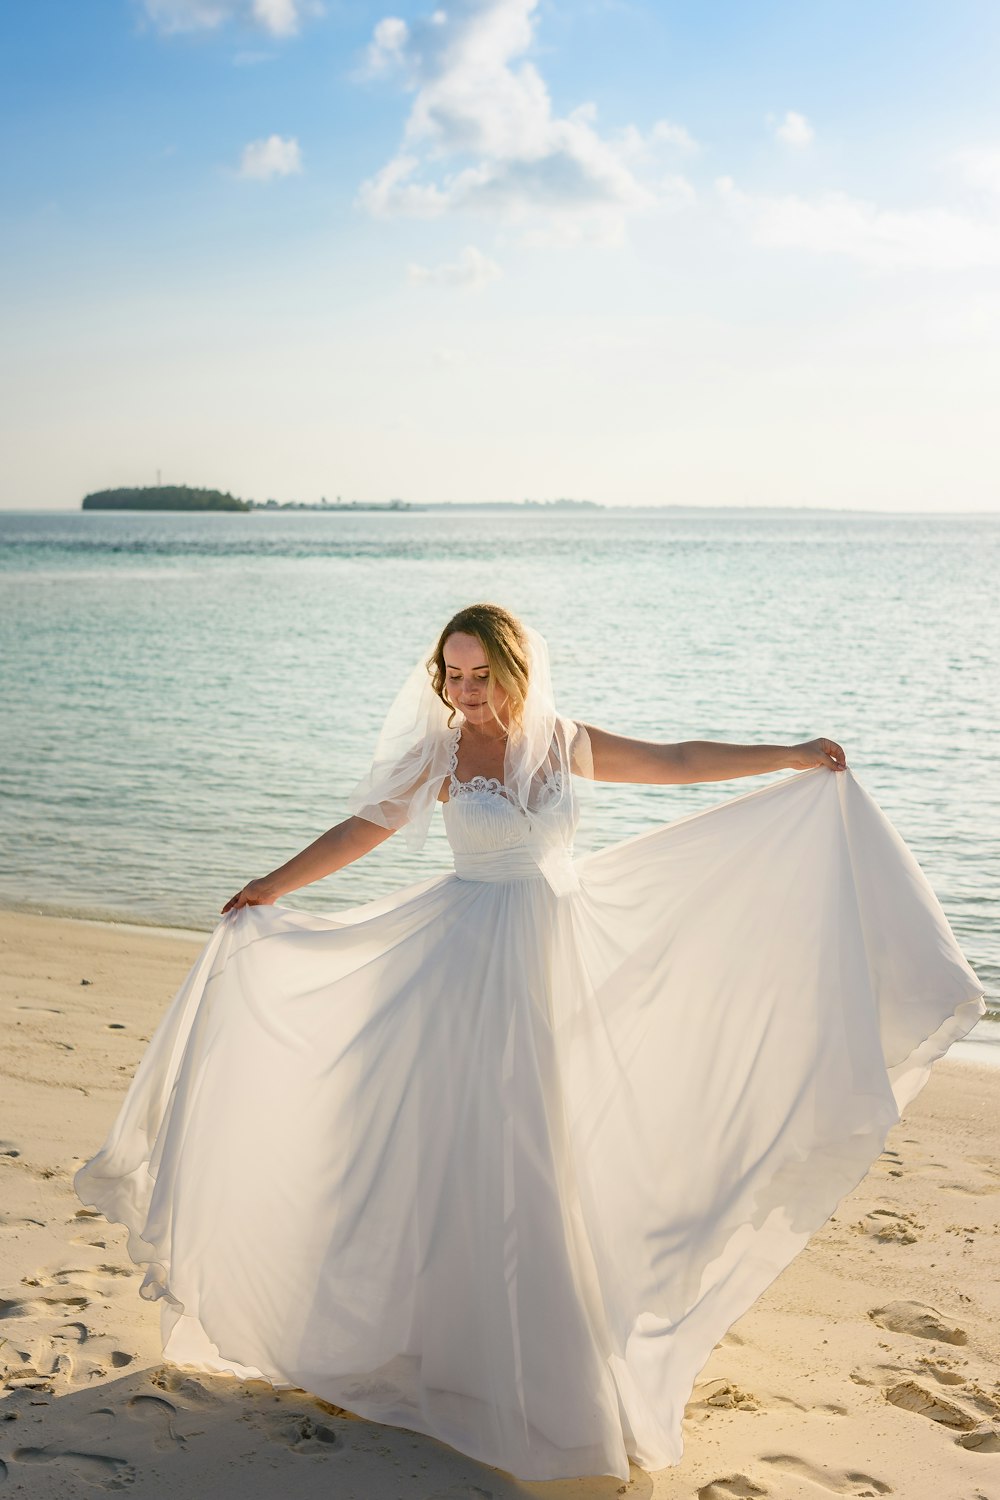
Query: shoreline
{"x":874,"y":1356}
{"x":963,"y":1051}
{"x":125,"y":924}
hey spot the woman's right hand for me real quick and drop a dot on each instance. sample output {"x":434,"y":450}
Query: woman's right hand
{"x":254,"y":893}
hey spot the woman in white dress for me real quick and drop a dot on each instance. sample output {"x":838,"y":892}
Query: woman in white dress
{"x":501,"y":1157}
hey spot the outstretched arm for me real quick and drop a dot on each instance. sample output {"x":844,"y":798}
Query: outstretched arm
{"x":618,"y":758}
{"x":339,"y":846}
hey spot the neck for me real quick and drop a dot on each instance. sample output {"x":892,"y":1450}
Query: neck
{"x":489,"y":730}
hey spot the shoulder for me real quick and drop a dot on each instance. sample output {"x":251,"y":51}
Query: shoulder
{"x":574,"y":739}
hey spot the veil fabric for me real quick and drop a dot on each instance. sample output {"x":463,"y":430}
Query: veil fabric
{"x":416,"y":748}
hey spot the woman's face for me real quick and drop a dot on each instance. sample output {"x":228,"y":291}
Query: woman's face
{"x":467,"y":678}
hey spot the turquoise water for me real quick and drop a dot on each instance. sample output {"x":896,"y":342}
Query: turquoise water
{"x":188,"y":699}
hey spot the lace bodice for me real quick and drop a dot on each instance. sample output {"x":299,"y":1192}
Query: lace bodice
{"x":480,"y":818}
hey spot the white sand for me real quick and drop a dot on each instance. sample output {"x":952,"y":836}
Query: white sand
{"x":807,"y":1396}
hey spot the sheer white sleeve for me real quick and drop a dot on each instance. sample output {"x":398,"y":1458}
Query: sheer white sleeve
{"x":411,"y":760}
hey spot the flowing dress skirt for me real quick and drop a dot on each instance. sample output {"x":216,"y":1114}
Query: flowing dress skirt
{"x":502,"y":1166}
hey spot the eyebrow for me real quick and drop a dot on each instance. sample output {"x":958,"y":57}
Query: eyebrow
{"x":483,"y":667}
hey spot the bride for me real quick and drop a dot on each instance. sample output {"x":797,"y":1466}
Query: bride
{"x":500,"y":1157}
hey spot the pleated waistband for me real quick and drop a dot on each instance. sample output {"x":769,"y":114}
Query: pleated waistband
{"x":498,"y":864}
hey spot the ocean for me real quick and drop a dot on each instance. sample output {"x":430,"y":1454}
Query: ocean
{"x":188,"y":699}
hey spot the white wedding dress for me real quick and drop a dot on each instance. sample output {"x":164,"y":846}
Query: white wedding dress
{"x":501,"y":1165}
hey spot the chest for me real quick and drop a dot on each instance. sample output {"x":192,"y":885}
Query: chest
{"x":474,"y":765}
{"x":471,"y":760}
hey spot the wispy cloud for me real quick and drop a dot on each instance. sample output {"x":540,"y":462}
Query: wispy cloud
{"x":471,"y":272}
{"x":835,"y":223}
{"x":673,"y":135}
{"x":278,"y":17}
{"x":482,"y":136}
{"x":794,"y":129}
{"x":273,"y":157}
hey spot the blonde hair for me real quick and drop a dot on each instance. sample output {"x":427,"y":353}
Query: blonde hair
{"x":505,"y":647}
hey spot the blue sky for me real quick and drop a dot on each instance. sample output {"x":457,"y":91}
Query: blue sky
{"x":730,"y":253}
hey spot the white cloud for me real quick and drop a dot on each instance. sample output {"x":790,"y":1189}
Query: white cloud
{"x":279,"y":17}
{"x":979,"y":166}
{"x":794,"y":129}
{"x":471,"y":272}
{"x":479,"y":105}
{"x":273,"y":157}
{"x":386,"y":48}
{"x":836,"y":224}
{"x":673,"y":135}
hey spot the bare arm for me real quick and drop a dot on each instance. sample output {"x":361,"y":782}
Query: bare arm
{"x":339,"y":846}
{"x":618,"y":758}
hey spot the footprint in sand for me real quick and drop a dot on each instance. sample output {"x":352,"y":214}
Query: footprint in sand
{"x":91,"y":1278}
{"x":917,"y":1398}
{"x":159,"y":1415}
{"x":299,"y":1432}
{"x":95,"y":1468}
{"x":732,"y":1487}
{"x":890,"y":1225}
{"x":41,"y":1303}
{"x":985,"y":1439}
{"x":982,"y":1400}
{"x":24,"y":1307}
{"x":941,"y":1370}
{"x":837,"y":1481}
{"x":724,"y":1393}
{"x":188,"y":1392}
{"x":972,"y":1189}
{"x":918,"y":1320}
{"x":20,"y":1369}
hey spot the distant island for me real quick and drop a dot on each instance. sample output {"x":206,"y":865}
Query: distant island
{"x":183,"y":497}
{"x":163,"y":497}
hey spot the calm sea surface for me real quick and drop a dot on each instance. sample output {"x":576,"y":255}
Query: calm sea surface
{"x":188,"y":699}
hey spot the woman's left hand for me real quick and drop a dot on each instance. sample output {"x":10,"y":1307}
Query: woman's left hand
{"x":819,"y":752}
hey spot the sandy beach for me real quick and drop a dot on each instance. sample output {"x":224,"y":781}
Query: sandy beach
{"x":871,"y":1366}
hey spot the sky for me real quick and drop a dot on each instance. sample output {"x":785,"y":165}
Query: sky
{"x":638,"y":252}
